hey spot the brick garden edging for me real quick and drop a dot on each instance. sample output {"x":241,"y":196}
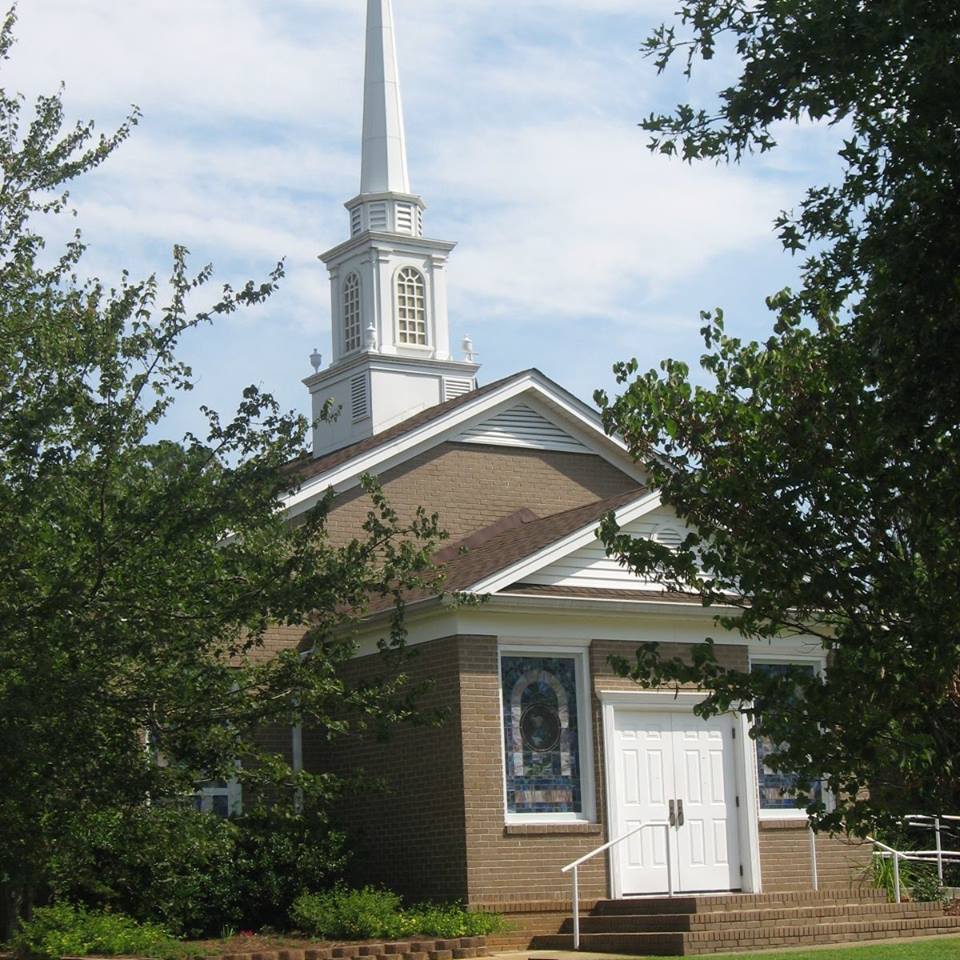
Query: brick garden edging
{"x":461,"y":948}
{"x":416,"y":948}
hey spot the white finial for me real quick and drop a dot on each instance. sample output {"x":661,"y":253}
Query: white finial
{"x":371,"y":338}
{"x":468,"y":355}
{"x":316,"y":360}
{"x":384,"y":164}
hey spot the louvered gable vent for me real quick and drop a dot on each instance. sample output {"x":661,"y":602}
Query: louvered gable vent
{"x":669,"y":537}
{"x":522,"y":426}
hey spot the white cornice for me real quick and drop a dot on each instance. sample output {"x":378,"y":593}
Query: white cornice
{"x":397,"y":242}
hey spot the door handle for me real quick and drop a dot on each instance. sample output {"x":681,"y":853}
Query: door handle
{"x":679,"y":813}
{"x":673,"y":815}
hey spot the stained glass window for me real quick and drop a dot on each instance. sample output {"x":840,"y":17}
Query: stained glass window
{"x":541,"y":727}
{"x":780,"y":790}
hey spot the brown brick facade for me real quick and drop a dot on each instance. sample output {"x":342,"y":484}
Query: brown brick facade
{"x":785,"y":858}
{"x":411,"y":835}
{"x":440,"y":830}
{"x":472,"y":486}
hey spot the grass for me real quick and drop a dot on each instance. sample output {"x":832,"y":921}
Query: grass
{"x":924,"y":949}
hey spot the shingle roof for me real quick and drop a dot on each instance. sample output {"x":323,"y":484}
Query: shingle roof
{"x":514,"y":545}
{"x":601,"y":593}
{"x":310,"y":467}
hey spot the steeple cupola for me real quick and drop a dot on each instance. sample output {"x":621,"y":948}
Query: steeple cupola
{"x":391,"y":341}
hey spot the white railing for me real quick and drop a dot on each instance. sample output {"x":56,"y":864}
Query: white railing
{"x":938,"y":855}
{"x":575,"y":867}
{"x":815,"y":879}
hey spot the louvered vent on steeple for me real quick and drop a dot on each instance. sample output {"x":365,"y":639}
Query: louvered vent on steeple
{"x":359,"y":398}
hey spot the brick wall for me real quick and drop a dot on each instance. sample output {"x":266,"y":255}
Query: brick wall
{"x":473,"y":486}
{"x":518,"y":862}
{"x":785,"y":861}
{"x":410,"y":836}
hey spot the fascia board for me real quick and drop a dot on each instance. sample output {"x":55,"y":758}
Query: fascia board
{"x":390,"y":454}
{"x":555,"y":551}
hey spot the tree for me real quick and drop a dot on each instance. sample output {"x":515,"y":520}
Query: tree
{"x":820,"y":469}
{"x":138,"y":577}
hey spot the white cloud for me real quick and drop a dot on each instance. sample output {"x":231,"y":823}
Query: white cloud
{"x":522,"y":128}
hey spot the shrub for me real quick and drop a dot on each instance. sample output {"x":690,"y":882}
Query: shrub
{"x":64,"y":930}
{"x":925,"y":885}
{"x":196,"y":873}
{"x":342,"y":914}
{"x":450,"y":920}
{"x":372,"y":913}
{"x":165,"y":864}
{"x":918,"y":881}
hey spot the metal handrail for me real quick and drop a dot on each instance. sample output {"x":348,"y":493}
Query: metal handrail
{"x":938,"y":855}
{"x":897,"y":857}
{"x":575,"y":867}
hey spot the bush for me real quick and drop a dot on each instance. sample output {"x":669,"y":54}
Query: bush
{"x":196,"y":873}
{"x":372,"y":913}
{"x":64,"y":930}
{"x":342,"y":914}
{"x":162,"y":864}
{"x":450,"y":920}
{"x":924,"y":884}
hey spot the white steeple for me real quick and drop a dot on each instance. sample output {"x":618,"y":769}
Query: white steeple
{"x":384,"y":163}
{"x":391,"y":340}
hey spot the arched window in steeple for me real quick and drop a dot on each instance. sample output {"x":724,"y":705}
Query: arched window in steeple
{"x":352,"y":332}
{"x":411,"y":307}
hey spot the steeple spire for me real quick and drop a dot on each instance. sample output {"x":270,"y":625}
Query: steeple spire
{"x":384,"y":163}
{"x":388,"y":283}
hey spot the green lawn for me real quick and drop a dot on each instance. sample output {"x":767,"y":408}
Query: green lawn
{"x":914,"y":950}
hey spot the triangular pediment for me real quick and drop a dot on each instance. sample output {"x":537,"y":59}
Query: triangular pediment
{"x":590,"y":567}
{"x":526,"y":410}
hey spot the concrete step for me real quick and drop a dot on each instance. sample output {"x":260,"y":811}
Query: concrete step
{"x":751,"y":938}
{"x":707,"y":903}
{"x":770,"y":915}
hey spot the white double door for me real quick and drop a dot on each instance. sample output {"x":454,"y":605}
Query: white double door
{"x":677,"y":773}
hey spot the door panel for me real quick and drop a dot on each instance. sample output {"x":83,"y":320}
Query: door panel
{"x":679,"y":757}
{"x":708,"y":842}
{"x":644,"y":775}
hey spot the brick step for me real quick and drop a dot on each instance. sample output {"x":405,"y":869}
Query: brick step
{"x":706,"y":903}
{"x":714,"y":941}
{"x":769,"y":916}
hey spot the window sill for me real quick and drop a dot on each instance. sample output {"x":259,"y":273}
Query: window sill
{"x":540,"y":829}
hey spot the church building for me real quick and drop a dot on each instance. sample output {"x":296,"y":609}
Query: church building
{"x":545,"y":754}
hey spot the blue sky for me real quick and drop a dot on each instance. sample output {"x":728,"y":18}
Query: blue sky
{"x":576,"y":246}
